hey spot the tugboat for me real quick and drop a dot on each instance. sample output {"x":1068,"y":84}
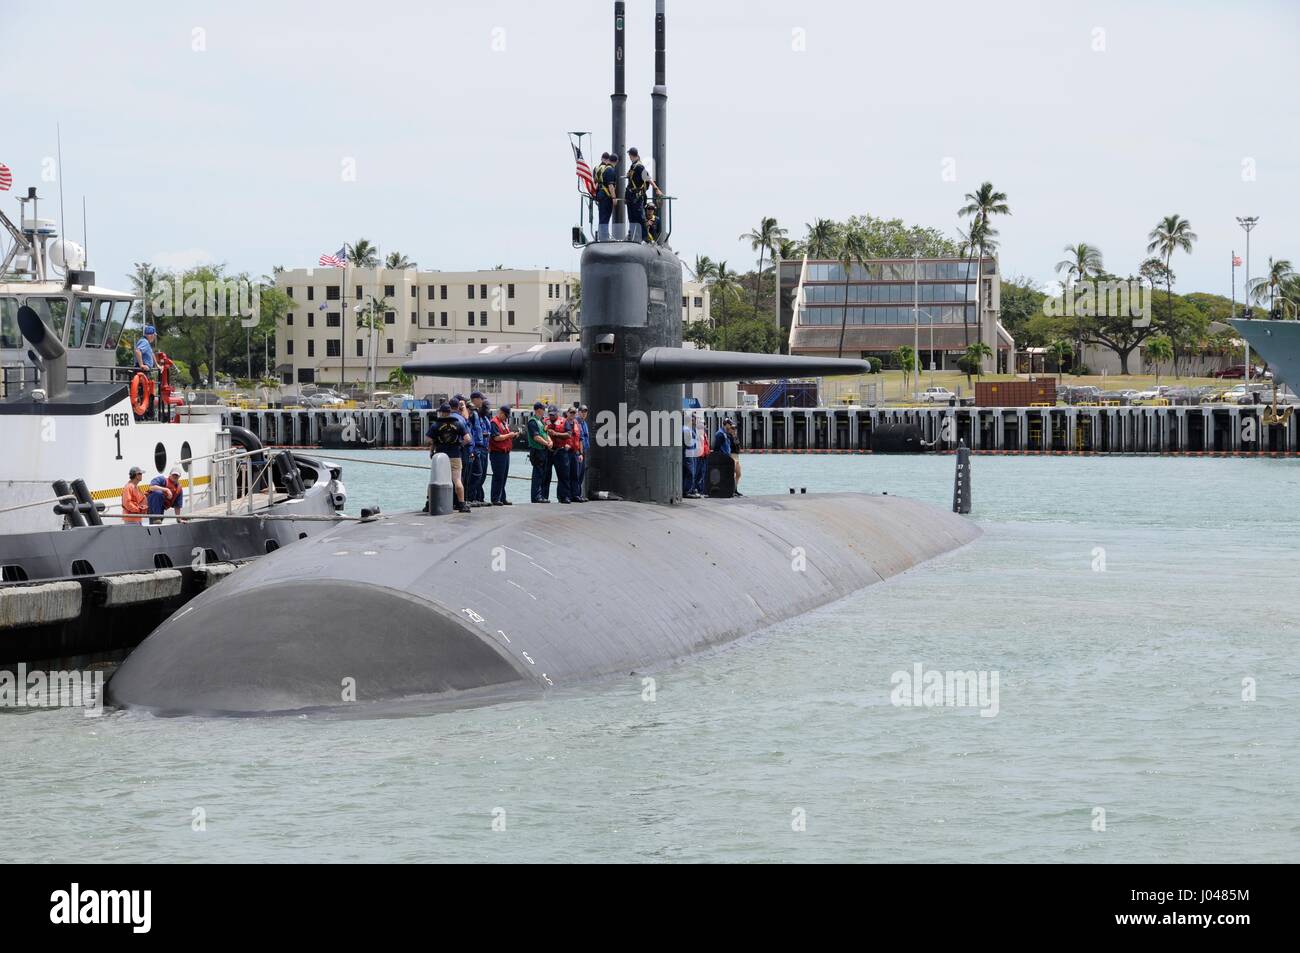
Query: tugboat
{"x":78,"y":581}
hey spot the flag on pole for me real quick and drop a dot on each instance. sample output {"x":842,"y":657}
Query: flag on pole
{"x":583,"y":171}
{"x":6,"y":178}
{"x":337,"y":260}
{"x":1236,"y":261}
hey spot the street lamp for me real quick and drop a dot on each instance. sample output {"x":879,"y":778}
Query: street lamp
{"x":1248,"y":223}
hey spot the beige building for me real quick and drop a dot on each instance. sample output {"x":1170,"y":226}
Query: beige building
{"x":324,"y":339}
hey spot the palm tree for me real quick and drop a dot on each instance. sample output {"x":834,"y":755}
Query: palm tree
{"x":974,"y":357}
{"x":761,"y":240}
{"x":396,"y":260}
{"x":1158,"y":349}
{"x":788,"y":249}
{"x":705,"y":270}
{"x":1084,"y":260}
{"x":820,"y":241}
{"x":1279,"y":278}
{"x":362,"y":254}
{"x":852,"y":250}
{"x":1173,"y":233}
{"x":982,"y":204}
{"x":723,"y":287}
{"x":1060,"y":349}
{"x":143,"y":280}
{"x":906,"y":358}
{"x":372,"y":318}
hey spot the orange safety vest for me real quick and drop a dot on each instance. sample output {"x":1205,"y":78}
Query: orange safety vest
{"x":559,"y":433}
{"x":133,"y":501}
{"x":502,"y":440}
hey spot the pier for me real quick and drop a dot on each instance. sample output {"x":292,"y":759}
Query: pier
{"x":1213,"y":428}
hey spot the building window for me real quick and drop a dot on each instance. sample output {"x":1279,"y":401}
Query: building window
{"x":288,"y":347}
{"x":333,"y":347}
{"x":442,"y":292}
{"x":389,"y":342}
{"x":683,"y":301}
{"x":359,"y":294}
{"x":389,"y":291}
{"x":432,"y":293}
{"x":332,"y":320}
{"x":415,"y":292}
{"x":311,"y":320}
{"x":289,"y":292}
{"x":471,"y":292}
{"x":415,"y":317}
{"x":510,"y":317}
{"x":482,"y":292}
{"x":482,"y":318}
{"x":331,"y":292}
{"x":699,"y":302}
{"x":311,"y":292}
{"x":442,"y":319}
{"x":548,"y":290}
{"x":510,"y":291}
{"x":390,"y":317}
{"x":311,"y":348}
{"x":358,"y":347}
{"x":288,"y":319}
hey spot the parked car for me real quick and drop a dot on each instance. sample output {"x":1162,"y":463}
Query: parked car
{"x":1238,"y":372}
{"x":936,"y":395}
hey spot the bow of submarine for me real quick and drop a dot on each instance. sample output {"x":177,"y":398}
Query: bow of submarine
{"x":458,"y":606}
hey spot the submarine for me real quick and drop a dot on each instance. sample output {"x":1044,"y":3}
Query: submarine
{"x":471,"y":608}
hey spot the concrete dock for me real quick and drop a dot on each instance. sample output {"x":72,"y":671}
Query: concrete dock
{"x":1213,"y":428}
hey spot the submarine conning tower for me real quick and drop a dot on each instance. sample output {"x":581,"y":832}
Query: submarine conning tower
{"x":631,"y":297}
{"x":629,"y":360}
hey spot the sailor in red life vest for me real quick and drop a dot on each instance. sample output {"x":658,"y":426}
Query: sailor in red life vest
{"x":557,"y":428}
{"x":500,"y":441}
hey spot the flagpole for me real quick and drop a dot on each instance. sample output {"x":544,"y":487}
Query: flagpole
{"x":1234,"y":282}
{"x":343,"y":316}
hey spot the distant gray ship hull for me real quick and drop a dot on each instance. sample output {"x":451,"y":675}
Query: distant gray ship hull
{"x":521,"y":600}
{"x":1277,"y":342}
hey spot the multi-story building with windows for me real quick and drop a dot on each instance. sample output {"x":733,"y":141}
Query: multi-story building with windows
{"x":326,"y":338}
{"x":928,"y":303}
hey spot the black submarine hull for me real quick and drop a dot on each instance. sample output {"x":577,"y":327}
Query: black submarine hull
{"x":517,"y":601}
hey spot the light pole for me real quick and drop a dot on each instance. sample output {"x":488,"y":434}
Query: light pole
{"x":1248,"y":223}
{"x":916,"y":316}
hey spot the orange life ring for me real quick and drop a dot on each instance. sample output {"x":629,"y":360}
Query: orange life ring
{"x":141,"y":394}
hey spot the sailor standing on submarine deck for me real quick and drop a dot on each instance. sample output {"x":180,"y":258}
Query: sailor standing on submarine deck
{"x":606,"y":178}
{"x":638,"y":181}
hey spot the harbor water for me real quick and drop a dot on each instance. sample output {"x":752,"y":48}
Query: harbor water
{"x":1136,"y":621}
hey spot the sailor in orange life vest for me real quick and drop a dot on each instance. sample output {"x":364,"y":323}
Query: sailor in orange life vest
{"x":557,"y":428}
{"x":133,"y":498}
{"x":501,"y":439}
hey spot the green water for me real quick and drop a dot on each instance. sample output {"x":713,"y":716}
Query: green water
{"x":1125,"y":604}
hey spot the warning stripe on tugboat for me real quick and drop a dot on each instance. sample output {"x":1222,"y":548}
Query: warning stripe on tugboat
{"x":106,"y":494}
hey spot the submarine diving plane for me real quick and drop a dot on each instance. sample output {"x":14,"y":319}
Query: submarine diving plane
{"x":466,"y":610}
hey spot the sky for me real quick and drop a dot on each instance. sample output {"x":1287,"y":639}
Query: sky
{"x":260,"y":134}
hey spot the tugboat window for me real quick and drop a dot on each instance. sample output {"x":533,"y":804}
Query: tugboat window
{"x":160,"y":457}
{"x":80,"y":319}
{"x":185,"y":456}
{"x":53,"y":311}
{"x":122,"y":312}
{"x":98,"y":324}
{"x":10,"y":336}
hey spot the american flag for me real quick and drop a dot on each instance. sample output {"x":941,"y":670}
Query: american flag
{"x":7,"y":177}
{"x":584,"y":171}
{"x":337,"y":260}
{"x":1236,"y":261}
